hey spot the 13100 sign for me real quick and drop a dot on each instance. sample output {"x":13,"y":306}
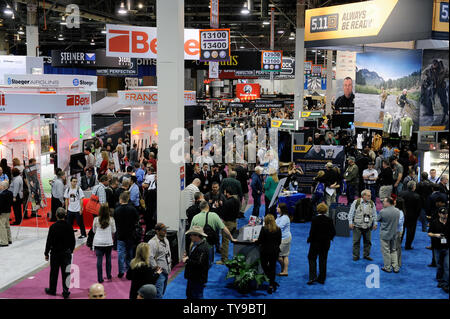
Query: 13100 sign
{"x":215,"y":45}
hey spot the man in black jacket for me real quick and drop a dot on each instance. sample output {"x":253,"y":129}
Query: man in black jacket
{"x":412,"y":212}
{"x":424,"y":189}
{"x":243,"y":177}
{"x":321,"y":233}
{"x":229,"y":215}
{"x":87,"y":181}
{"x":215,"y":199}
{"x":6,"y":200}
{"x":60,"y":245}
{"x":191,"y":212}
{"x":126,"y":218}
{"x":197,"y":263}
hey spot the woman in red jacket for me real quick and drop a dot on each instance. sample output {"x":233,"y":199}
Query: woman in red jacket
{"x":104,"y":165}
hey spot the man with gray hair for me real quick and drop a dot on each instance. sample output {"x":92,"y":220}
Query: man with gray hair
{"x":362,"y":220}
{"x":413,"y":206}
{"x":6,"y":201}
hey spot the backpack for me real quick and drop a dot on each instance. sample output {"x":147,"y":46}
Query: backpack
{"x":212,"y":238}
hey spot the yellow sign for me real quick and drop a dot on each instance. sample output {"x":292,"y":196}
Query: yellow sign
{"x":432,"y":128}
{"x":276,"y":123}
{"x":369,"y":125}
{"x":440,"y":15}
{"x":362,"y":19}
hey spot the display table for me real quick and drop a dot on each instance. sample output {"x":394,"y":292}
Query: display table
{"x":248,"y":248}
{"x":290,"y":201}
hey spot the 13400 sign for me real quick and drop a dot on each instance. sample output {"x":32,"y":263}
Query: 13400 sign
{"x":324,"y":23}
{"x":215,"y":45}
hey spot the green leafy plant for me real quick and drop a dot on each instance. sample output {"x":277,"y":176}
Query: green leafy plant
{"x":243,"y":273}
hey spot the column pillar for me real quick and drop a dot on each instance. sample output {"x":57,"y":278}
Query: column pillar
{"x":329,"y":92}
{"x":299,"y":64}
{"x":32,"y":29}
{"x":170,"y":81}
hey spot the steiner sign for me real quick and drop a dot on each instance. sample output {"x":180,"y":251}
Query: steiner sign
{"x":215,"y":45}
{"x":271,"y":61}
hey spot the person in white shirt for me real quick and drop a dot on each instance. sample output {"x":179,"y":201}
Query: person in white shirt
{"x":103,"y":227}
{"x":370,"y":176}
{"x":74,"y":202}
{"x":189,"y":192}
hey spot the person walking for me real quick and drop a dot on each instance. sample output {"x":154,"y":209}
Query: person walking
{"x":269,"y":242}
{"x":270,"y":186}
{"x":160,"y":256}
{"x":412,"y":212}
{"x":439,"y":234}
{"x":6,"y":200}
{"x":140,"y":272}
{"x":257,"y":189}
{"x":103,"y":227}
{"x":126,"y":218}
{"x":197,"y":263}
{"x":361,"y":219}
{"x":58,"y":249}
{"x":74,"y":203}
{"x":284,"y":223}
{"x":351,"y":177}
{"x":321,"y":233}
{"x":389,"y":219}
{"x":16,"y":188}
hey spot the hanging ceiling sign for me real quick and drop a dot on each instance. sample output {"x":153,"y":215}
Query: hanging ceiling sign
{"x":84,"y":82}
{"x":88,"y":59}
{"x":214,"y":14}
{"x":368,"y":22}
{"x":441,"y":13}
{"x":215,"y":45}
{"x":150,"y":98}
{"x":271,"y":61}
{"x":308,"y":67}
{"x":44,"y":103}
{"x":284,"y":124}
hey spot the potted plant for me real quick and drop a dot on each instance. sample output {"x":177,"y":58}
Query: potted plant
{"x":246,"y":276}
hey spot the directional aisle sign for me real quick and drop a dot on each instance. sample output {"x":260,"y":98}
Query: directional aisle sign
{"x":272,"y":61}
{"x":215,"y":45}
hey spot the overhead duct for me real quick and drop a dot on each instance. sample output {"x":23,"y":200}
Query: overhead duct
{"x":264,"y":8}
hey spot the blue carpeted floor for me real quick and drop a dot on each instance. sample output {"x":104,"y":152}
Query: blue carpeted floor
{"x":346,"y":279}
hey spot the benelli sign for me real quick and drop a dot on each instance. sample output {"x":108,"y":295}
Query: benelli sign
{"x":141,"y":42}
{"x":77,"y":100}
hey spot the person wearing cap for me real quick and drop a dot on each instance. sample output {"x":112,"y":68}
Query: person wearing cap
{"x":351,"y":177}
{"x":370,"y":176}
{"x":397,"y":169}
{"x":439,"y":233}
{"x":97,"y":291}
{"x":197,"y":263}
{"x":160,"y":256}
{"x":147,"y":292}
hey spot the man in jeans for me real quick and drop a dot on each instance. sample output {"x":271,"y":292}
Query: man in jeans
{"x":389,"y":218}
{"x":439,"y":233}
{"x":126,"y":218}
{"x":362,"y":220}
{"x":229,"y":215}
{"x":160,"y":256}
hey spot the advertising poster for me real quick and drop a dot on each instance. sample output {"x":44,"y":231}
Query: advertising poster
{"x":312,"y":159}
{"x":434,"y":91}
{"x":387,"y":83}
{"x":345,"y":67}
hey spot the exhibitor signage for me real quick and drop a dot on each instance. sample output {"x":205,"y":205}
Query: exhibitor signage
{"x":215,"y":45}
{"x":90,"y":59}
{"x":271,"y":61}
{"x":375,"y":21}
{"x":142,"y":98}
{"x":84,"y":82}
{"x":48,"y":103}
{"x":441,"y":13}
{"x":141,"y":42}
{"x":284,"y":124}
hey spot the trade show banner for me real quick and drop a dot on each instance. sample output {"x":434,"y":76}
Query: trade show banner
{"x":142,"y":98}
{"x":248,"y":91}
{"x":345,"y":67}
{"x":441,"y":12}
{"x":140,"y":42}
{"x":84,"y":82}
{"x":88,"y":59}
{"x":11,"y":64}
{"x":312,"y":159}
{"x":368,"y":22}
{"x":387,"y":88}
{"x":42,"y":103}
{"x":434,"y":91}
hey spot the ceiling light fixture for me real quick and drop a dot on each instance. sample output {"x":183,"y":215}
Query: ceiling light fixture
{"x":266,"y":22}
{"x":60,"y":37}
{"x":280,"y":32}
{"x":122,"y":9}
{"x":63,"y":20}
{"x":292,"y":36}
{"x":241,"y":47}
{"x":92,"y":41}
{"x":8,"y":10}
{"x":104,"y":30}
{"x":20,"y":31}
{"x":140,"y":5}
{"x":245,"y":9}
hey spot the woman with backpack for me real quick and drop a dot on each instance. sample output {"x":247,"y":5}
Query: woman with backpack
{"x":103,"y":227}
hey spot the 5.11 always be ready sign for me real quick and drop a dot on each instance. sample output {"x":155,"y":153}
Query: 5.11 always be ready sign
{"x":215,"y":45}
